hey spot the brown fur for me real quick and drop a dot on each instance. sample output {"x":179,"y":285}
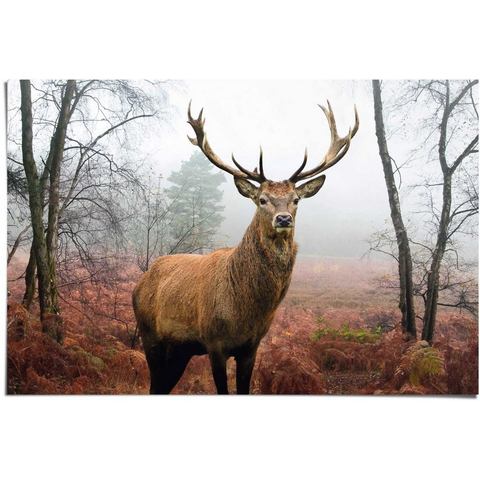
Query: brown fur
{"x":225,"y":300}
{"x":223,"y":303}
{"x":222,"y":300}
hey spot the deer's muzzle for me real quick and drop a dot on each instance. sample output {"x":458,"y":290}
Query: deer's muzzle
{"x":283,"y":220}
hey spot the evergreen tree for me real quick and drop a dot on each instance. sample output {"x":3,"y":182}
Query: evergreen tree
{"x":195,"y":205}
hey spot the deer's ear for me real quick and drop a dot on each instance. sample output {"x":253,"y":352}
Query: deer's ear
{"x":310,"y":188}
{"x":246,"y":188}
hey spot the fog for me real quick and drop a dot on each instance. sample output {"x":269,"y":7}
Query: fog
{"x":283,"y":117}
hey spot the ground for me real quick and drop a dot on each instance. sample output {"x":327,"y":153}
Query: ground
{"x":336,"y":332}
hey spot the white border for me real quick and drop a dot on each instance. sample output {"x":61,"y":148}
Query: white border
{"x":280,"y":437}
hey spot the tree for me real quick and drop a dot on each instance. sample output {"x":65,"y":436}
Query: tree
{"x":82,"y":182}
{"x":39,"y":244}
{"x":45,"y":245}
{"x":404,"y":258}
{"x":54,"y":166}
{"x":195,"y":209}
{"x":150,"y":235}
{"x":449,"y":221}
{"x":447,"y":122}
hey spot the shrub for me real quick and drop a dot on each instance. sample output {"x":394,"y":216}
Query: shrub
{"x":383,"y":320}
{"x":345,"y":332}
{"x":287,"y":371}
{"x":461,"y":365}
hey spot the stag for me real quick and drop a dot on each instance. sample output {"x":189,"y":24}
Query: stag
{"x":222,"y":304}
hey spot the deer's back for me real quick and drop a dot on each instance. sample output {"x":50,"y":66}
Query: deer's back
{"x":173,"y":298}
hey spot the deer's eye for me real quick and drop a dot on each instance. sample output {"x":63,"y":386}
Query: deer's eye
{"x":296,"y":201}
{"x":263,"y":201}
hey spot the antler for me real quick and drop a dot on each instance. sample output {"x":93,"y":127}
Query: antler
{"x":338,"y":147}
{"x":202,"y":142}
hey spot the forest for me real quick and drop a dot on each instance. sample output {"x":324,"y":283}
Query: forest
{"x":93,"y":201}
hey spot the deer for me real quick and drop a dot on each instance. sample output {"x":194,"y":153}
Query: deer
{"x":222,"y":304}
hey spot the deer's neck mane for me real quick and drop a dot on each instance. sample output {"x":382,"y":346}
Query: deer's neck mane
{"x":260,"y":267}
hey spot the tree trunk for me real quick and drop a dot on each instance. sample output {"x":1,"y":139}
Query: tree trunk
{"x":54,"y":191}
{"x":30,"y":274}
{"x":431,"y":299}
{"x":406,"y":302}
{"x":35,"y":202}
{"x":30,"y":277}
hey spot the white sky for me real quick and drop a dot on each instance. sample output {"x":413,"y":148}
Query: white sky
{"x":284,"y":118}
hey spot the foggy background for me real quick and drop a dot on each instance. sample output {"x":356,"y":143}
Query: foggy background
{"x":284,"y":118}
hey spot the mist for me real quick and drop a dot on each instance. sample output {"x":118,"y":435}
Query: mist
{"x":284,"y":118}
{"x":127,"y":192}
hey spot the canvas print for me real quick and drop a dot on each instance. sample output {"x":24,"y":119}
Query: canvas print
{"x":244,"y":237}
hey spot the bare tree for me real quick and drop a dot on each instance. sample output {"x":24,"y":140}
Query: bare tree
{"x":457,"y":283}
{"x":449,"y":131}
{"x":449,"y":221}
{"x":35,"y":202}
{"x":82,"y":183}
{"x":404,"y":258}
{"x":56,"y":152}
{"x":151,"y":229}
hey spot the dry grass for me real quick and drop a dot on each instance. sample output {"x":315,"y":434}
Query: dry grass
{"x":96,"y":356}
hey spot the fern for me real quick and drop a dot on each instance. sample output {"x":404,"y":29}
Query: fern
{"x":421,"y":362}
{"x":345,"y":332}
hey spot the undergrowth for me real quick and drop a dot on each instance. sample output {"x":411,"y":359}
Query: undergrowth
{"x":422,"y":363}
{"x":345,"y":332}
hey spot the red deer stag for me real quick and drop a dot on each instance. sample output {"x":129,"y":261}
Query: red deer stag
{"x":222,"y":304}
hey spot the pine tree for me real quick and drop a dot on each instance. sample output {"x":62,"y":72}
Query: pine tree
{"x":195,"y":205}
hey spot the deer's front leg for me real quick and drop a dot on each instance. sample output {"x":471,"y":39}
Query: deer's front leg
{"x":218,"y":361}
{"x":245,"y":361}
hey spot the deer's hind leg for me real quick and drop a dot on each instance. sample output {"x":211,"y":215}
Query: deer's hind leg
{"x":167,"y":362}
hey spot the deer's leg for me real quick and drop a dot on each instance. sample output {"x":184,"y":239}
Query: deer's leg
{"x":156,"y":363}
{"x":167,"y":363}
{"x":218,"y":362}
{"x":245,"y":359}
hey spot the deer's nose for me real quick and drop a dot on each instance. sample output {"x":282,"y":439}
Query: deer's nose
{"x":283,"y":220}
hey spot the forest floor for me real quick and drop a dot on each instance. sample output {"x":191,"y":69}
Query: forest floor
{"x":335,"y":333}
